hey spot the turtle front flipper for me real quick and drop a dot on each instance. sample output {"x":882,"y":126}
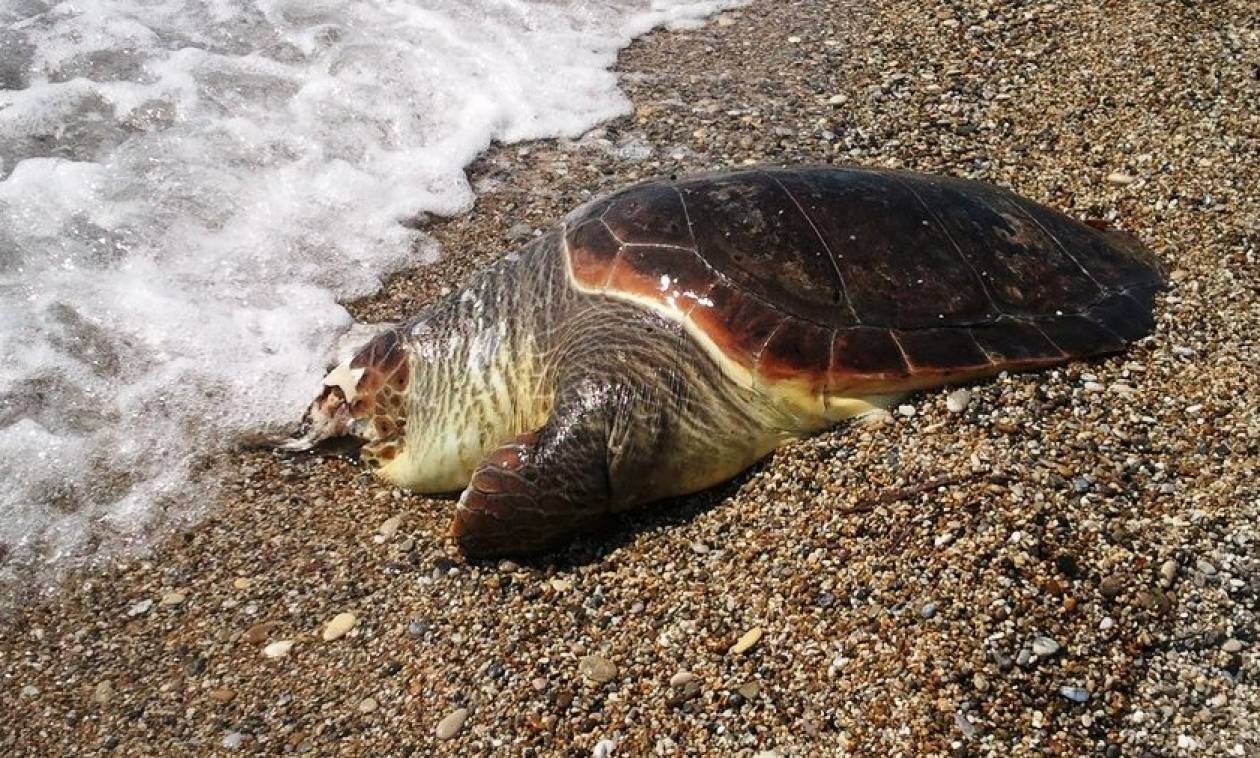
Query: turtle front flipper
{"x":539,"y":489}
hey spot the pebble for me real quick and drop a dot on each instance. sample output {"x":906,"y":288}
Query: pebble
{"x":539,"y":684}
{"x":597,"y":668}
{"x":928,"y":610}
{"x":957,"y":401}
{"x":340,"y":624}
{"x":30,"y":690}
{"x":906,"y":410}
{"x":1094,"y":387}
{"x":257,"y":634}
{"x":367,"y":705}
{"x":603,"y":749}
{"x":682,"y":678}
{"x":450,"y":726}
{"x":140,"y":608}
{"x":389,"y":527}
{"x":1168,"y":570}
{"x":103,"y":692}
{"x":1205,"y":568}
{"x":747,"y":641}
{"x":173,"y":598}
{"x":1119,"y":178}
{"x":233,"y":740}
{"x":1043,"y":647}
{"x":1111,"y":586}
{"x":561,"y":585}
{"x":964,"y":725}
{"x":241,"y":583}
{"x":278,"y":649}
{"x":1232,"y":646}
{"x":1075,"y":694}
{"x":221,"y":695}
{"x":749,"y":690}
{"x":506,"y":565}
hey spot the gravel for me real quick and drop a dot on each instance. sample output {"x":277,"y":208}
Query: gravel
{"x":1051,"y":99}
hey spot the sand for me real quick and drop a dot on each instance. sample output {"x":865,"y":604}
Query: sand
{"x":1069,"y":565}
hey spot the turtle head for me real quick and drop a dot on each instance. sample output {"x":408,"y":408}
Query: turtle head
{"x":362,"y":404}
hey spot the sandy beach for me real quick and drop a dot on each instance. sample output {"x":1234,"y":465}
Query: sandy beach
{"x":1069,"y":565}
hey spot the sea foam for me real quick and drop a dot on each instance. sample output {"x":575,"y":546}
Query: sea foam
{"x":188,"y":190}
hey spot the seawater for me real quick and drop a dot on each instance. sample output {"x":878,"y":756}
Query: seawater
{"x":190,"y":188}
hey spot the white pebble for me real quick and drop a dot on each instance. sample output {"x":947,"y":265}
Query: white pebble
{"x":278,"y":649}
{"x":340,"y":624}
{"x":233,"y":740}
{"x":1044,"y":646}
{"x":906,"y":410}
{"x":450,"y":726}
{"x":140,"y":608}
{"x":957,"y":401}
{"x":603,"y":749}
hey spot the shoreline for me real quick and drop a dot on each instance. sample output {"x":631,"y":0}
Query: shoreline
{"x":1082,"y":578}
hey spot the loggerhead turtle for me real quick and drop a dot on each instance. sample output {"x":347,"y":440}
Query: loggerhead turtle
{"x":665,"y":337}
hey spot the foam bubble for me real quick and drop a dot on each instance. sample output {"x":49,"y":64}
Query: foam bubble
{"x":189,"y":189}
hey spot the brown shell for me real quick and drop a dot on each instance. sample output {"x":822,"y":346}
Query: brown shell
{"x":870,"y":279}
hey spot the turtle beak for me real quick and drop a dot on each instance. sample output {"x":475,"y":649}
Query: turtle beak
{"x":327,"y":419}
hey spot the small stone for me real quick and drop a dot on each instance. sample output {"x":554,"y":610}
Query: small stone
{"x":1024,"y":657}
{"x":681,"y":679}
{"x":964,"y":725}
{"x":103,"y":692}
{"x":30,"y":690}
{"x":725,"y":21}
{"x":906,"y":410}
{"x":1106,"y":623}
{"x":221,"y":695}
{"x":389,"y":527}
{"x":367,"y":705}
{"x":603,"y":749}
{"x":173,"y":598}
{"x":957,"y":401}
{"x":417,"y":627}
{"x":257,"y":634}
{"x":506,"y":565}
{"x":747,"y":641}
{"x":597,"y":668}
{"x":1119,"y":178}
{"x":520,"y":231}
{"x":1094,"y":387}
{"x":928,"y":610}
{"x":1044,"y":647}
{"x":1168,"y":570}
{"x":1205,"y":568}
{"x":1111,"y":586}
{"x":1075,"y":694}
{"x":1232,"y":646}
{"x":539,"y":684}
{"x":278,"y":649}
{"x":699,"y":548}
{"x":837,"y":99}
{"x":233,"y":740}
{"x":561,"y":585}
{"x":140,"y":608}
{"x":450,"y":726}
{"x":340,"y":624}
{"x":241,"y":583}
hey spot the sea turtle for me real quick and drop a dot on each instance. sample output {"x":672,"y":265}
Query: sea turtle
{"x":665,"y":337}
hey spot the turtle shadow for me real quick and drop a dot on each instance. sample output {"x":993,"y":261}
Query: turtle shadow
{"x":622,"y":529}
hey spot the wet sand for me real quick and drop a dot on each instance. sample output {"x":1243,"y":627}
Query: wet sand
{"x":1070,"y":565}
